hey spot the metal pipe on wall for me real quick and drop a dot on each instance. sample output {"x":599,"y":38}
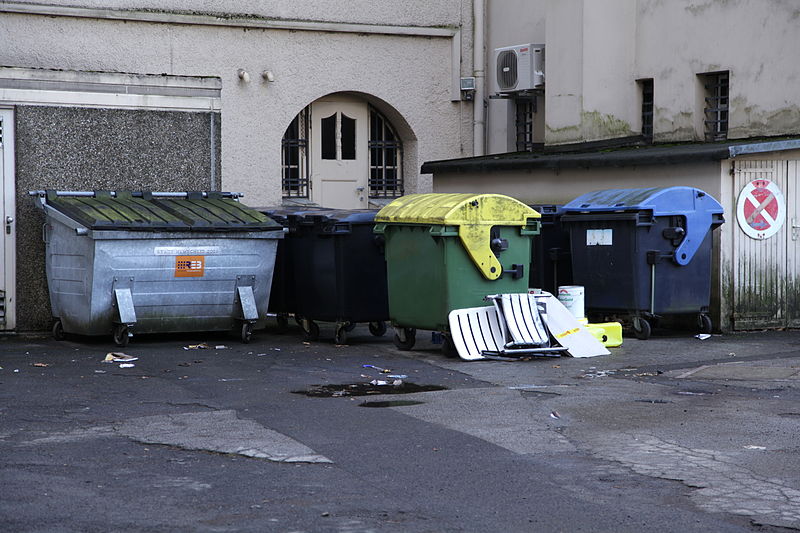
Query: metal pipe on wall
{"x":478,"y":70}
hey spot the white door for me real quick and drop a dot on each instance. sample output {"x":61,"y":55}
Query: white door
{"x":7,"y":216}
{"x":763,"y":245}
{"x":339,"y":153}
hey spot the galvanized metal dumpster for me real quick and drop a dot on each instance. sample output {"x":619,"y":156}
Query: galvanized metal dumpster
{"x":645,"y":252}
{"x":450,"y":251}
{"x":149,"y":262}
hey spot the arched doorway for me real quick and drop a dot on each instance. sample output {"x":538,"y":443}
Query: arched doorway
{"x":341,"y":152}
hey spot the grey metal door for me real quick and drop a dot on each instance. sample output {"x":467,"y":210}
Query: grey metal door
{"x":761,"y":255}
{"x":7,"y":222}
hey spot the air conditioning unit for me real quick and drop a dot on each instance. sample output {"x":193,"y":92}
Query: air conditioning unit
{"x":519,"y":68}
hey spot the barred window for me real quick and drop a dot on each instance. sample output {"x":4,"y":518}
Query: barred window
{"x":294,"y":157}
{"x":646,"y":87}
{"x":715,"y":111}
{"x":385,"y":158}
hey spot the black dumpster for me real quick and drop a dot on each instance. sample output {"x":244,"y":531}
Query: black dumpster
{"x":282,"y":302}
{"x":333,"y":271}
{"x":646,"y":252}
{"x":551,"y":264}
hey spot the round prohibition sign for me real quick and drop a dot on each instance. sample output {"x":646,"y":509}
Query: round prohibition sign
{"x":761,"y":209}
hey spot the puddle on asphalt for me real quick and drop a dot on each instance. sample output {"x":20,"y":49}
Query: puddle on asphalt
{"x":395,"y":403}
{"x":364,"y":389}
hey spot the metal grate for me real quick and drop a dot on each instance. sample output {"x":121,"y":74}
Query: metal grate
{"x":294,"y":157}
{"x":2,"y":304}
{"x":525,"y":108}
{"x":647,"y":109}
{"x":385,"y":158}
{"x":507,"y":69}
{"x":717,"y":87}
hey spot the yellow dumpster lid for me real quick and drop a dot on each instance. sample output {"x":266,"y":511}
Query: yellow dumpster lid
{"x":473,"y":214}
{"x":456,"y":209}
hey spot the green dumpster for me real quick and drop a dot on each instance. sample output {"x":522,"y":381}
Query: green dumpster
{"x":449,"y":251}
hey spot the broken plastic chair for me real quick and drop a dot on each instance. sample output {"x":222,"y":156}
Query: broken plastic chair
{"x":519,"y":325}
{"x":512,"y":326}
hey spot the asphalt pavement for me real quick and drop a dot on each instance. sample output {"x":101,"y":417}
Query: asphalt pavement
{"x":204,"y":433}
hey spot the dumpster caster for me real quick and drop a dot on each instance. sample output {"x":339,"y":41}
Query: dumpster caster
{"x":283,"y":323}
{"x":704,"y":323}
{"x":58,"y":330}
{"x":448,"y":348}
{"x":340,"y":334}
{"x":641,"y":328}
{"x":378,"y":329}
{"x":247,"y":332}
{"x":404,"y":338}
{"x":310,"y":329}
{"x":121,"y":336}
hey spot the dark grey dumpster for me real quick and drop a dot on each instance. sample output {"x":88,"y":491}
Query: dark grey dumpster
{"x":646,"y":252}
{"x":119,"y":262}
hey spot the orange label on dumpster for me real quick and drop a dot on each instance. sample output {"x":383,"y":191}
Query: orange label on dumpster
{"x":189,"y":266}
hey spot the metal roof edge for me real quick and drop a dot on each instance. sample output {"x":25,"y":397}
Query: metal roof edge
{"x":758,"y":148}
{"x":557,"y":161}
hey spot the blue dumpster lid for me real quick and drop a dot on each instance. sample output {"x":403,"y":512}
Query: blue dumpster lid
{"x":148,"y":211}
{"x":696,"y":206}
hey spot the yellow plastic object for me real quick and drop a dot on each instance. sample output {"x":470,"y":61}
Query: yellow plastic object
{"x":609,"y":333}
{"x":473,"y":215}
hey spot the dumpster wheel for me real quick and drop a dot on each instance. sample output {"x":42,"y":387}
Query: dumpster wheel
{"x":704,"y":323}
{"x":641,"y":328}
{"x":340,"y":334}
{"x":448,"y":348}
{"x":283,"y":323}
{"x":121,"y":335}
{"x":247,"y":332}
{"x":405,"y":338}
{"x":378,"y":329}
{"x":310,"y":329}
{"x":58,"y":330}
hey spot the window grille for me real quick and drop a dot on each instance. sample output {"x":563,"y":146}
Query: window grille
{"x":385,"y":158}
{"x":717,"y":86}
{"x":525,"y":108}
{"x":646,"y":87}
{"x":294,"y":157}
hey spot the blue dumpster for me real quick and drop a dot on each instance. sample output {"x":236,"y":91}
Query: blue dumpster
{"x":645,"y":252}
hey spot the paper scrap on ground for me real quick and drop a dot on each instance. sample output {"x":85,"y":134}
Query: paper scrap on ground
{"x":119,"y":357}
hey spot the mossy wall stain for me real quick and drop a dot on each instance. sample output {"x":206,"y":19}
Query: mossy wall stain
{"x":594,"y":126}
{"x":753,"y":121}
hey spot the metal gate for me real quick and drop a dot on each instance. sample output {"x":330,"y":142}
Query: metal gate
{"x":7,"y":214}
{"x":765,"y":258}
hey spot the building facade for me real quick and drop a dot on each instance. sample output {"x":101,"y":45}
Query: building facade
{"x":303,"y":102}
{"x":646,"y":93}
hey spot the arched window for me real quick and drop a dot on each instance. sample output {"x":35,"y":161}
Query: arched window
{"x":294,"y":157}
{"x":385,"y":158}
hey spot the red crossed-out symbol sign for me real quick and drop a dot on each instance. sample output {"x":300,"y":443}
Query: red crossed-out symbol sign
{"x":761,"y":209}
{"x":761,"y":206}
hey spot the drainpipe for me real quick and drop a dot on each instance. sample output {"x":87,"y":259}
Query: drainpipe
{"x":478,"y":111}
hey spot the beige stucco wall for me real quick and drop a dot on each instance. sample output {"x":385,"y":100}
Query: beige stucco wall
{"x":756,"y":40}
{"x":408,"y":76}
{"x":597,"y":50}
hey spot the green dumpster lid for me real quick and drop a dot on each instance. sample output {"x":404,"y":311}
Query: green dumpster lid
{"x":147,"y":211}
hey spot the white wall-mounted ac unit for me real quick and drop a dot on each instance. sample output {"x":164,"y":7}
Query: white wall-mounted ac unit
{"x":519,"y":67}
